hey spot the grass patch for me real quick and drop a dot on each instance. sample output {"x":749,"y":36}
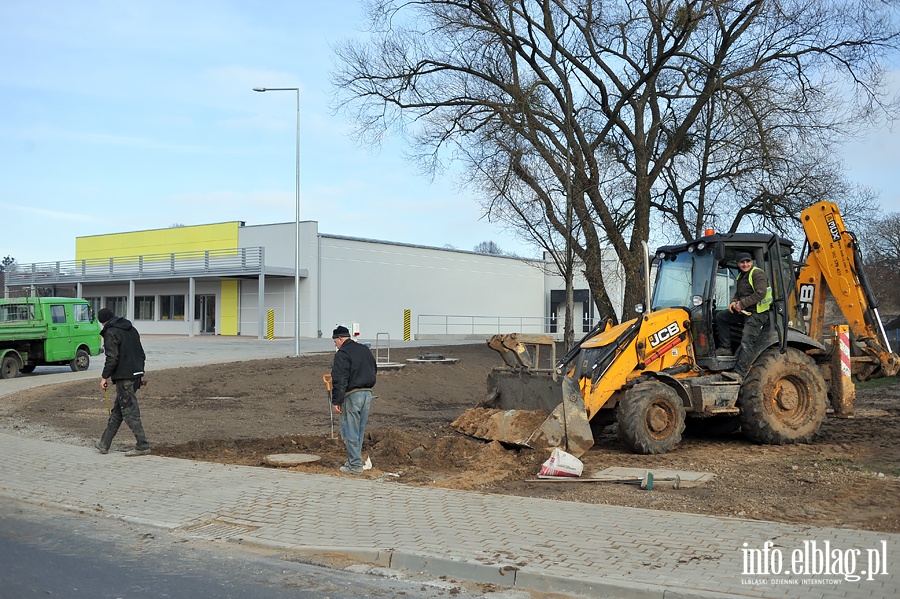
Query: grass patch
{"x":886,"y":468}
{"x":888,"y":381}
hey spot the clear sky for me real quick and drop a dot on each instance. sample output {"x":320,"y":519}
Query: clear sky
{"x":123,"y":116}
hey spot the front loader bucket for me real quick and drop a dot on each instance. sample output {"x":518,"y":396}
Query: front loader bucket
{"x":566,"y":426}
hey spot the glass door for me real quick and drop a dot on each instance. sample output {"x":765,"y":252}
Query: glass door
{"x":205,"y":313}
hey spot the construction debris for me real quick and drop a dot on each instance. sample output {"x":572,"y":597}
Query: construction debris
{"x":432,"y":359}
{"x":646,"y":479}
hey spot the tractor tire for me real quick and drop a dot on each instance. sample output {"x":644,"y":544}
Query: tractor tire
{"x":9,"y":367}
{"x":651,"y":418}
{"x":783,"y":399}
{"x":81,"y":361}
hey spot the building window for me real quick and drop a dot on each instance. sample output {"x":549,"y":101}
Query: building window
{"x":95,"y":303}
{"x":171,"y":307}
{"x":143,"y":307}
{"x":117,"y":305}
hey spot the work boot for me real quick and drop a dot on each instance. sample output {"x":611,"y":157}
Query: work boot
{"x":349,"y":470}
{"x":99,"y":446}
{"x":723,"y":353}
{"x":734,"y":377}
{"x":136,"y":452}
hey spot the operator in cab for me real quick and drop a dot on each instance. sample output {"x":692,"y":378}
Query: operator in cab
{"x":747,"y":313}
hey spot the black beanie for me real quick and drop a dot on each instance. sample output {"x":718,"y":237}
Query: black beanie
{"x":340,"y":331}
{"x":104,"y":315}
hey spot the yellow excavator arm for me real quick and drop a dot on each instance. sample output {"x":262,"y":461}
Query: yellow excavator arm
{"x":834,"y":260}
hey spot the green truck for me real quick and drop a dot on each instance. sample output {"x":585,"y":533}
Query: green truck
{"x":46,"y":331}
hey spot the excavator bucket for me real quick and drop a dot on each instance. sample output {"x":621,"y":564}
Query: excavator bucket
{"x":566,"y":426}
{"x":527,"y":406}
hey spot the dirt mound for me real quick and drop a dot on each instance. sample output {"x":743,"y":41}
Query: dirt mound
{"x":514,"y":427}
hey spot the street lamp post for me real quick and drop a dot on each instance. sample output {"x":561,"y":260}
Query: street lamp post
{"x":296,"y":219}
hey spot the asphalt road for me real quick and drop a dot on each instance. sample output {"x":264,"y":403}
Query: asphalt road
{"x":51,"y":553}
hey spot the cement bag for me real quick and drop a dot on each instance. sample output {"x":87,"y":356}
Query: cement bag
{"x":561,"y":464}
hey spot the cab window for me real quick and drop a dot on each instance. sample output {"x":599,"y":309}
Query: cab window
{"x":82,"y":313}
{"x":725,"y":287}
{"x":15,"y":312}
{"x":58,"y":314}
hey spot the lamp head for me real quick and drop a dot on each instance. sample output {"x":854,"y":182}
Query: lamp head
{"x":259,"y":89}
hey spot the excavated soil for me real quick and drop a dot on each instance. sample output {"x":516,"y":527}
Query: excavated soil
{"x":238,"y":413}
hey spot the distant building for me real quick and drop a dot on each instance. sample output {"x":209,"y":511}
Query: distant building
{"x":208,"y":279}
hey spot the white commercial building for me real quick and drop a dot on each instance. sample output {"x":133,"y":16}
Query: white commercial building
{"x":207,"y":279}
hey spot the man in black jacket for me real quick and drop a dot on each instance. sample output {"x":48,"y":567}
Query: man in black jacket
{"x":353,"y":376}
{"x":125,"y":367}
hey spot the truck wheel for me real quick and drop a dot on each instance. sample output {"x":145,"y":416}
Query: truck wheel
{"x":651,"y":418}
{"x":783,"y":398}
{"x":81,"y":361}
{"x":9,"y":367}
{"x":28,"y":368}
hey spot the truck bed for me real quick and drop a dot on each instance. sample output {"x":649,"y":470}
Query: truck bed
{"x":28,"y":330}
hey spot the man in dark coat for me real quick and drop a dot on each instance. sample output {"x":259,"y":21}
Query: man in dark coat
{"x":353,"y":376}
{"x":125,"y":367}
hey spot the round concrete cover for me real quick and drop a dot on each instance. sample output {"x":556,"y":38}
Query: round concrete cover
{"x":290,"y":459}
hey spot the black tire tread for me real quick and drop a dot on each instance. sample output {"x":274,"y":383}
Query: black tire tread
{"x":759,"y":418}
{"x":631,"y":417}
{"x":80,"y":355}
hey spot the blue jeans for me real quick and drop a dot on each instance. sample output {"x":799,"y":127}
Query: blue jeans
{"x":354,"y":415}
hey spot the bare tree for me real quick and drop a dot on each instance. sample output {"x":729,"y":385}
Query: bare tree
{"x":7,"y":264}
{"x":488,"y":247}
{"x":881,"y":244}
{"x":621,"y":113}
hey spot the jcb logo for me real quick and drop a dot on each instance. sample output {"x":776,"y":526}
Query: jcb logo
{"x":833,"y":228}
{"x":665,"y":334}
{"x":806,"y":297}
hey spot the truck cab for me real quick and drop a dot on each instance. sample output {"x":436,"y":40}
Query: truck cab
{"x":46,"y":331}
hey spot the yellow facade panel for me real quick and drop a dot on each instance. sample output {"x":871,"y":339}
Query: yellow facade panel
{"x":198,"y":238}
{"x":228,"y":310}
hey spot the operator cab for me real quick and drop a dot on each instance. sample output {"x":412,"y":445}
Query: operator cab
{"x":700,"y":276}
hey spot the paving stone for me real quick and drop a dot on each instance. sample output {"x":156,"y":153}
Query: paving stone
{"x":565,"y":547}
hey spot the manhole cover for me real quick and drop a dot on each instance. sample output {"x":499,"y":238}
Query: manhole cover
{"x":290,"y":459}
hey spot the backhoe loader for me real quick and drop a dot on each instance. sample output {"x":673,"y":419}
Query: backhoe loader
{"x":654,"y":374}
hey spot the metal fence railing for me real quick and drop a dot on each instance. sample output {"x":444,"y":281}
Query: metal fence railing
{"x":176,"y":264}
{"x":448,"y":325}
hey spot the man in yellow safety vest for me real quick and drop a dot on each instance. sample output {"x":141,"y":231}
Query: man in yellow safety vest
{"x":747,"y":312}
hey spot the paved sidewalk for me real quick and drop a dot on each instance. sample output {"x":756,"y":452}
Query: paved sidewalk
{"x":562,"y":547}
